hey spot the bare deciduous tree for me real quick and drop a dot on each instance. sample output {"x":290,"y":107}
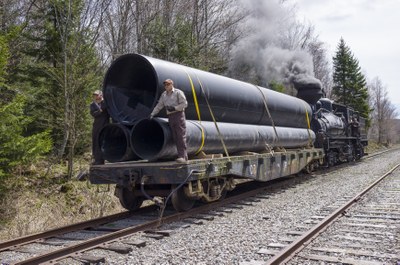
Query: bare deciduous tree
{"x":322,"y":65}
{"x":125,"y":25}
{"x":214,"y":29}
{"x":77,"y":32}
{"x":383,"y":128}
{"x":196,"y":32}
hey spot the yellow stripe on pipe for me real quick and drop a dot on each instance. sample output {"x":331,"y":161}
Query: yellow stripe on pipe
{"x":196,"y":104}
{"x":308,"y":124}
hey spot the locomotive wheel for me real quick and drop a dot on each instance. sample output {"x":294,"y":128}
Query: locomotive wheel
{"x":180,"y":201}
{"x":128,"y":199}
{"x":359,"y":152}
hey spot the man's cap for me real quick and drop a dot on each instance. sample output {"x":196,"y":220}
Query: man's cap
{"x":97,"y":92}
{"x":168,"y":81}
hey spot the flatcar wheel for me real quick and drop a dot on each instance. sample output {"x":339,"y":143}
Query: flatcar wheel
{"x":224,"y":192}
{"x":180,"y":201}
{"x":128,"y":199}
{"x":308,"y":168}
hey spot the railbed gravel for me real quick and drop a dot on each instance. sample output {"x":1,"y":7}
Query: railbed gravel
{"x":370,"y":227}
{"x":237,"y":237}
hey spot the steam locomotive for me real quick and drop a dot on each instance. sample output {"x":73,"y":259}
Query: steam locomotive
{"x":340,"y":131}
{"x":235,"y":130}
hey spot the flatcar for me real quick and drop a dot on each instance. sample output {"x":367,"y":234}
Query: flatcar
{"x":235,"y":130}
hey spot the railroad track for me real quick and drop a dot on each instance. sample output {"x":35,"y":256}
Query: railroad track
{"x":115,"y":232}
{"x":351,"y":236}
{"x":380,"y":153}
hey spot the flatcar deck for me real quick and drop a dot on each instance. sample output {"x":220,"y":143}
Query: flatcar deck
{"x":260,"y":167}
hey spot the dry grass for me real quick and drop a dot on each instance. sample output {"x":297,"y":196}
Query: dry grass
{"x":374,"y":147}
{"x":29,"y":212}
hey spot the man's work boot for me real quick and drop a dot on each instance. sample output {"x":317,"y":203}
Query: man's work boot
{"x":181,"y":160}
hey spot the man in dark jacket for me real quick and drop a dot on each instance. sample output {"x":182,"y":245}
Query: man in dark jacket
{"x":101,"y":117}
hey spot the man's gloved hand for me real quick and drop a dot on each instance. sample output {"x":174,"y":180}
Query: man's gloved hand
{"x":170,"y":108}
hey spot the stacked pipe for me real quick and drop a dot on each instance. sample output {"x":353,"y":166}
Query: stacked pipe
{"x":245,"y":113}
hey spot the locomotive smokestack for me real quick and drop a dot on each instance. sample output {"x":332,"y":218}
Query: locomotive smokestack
{"x":308,"y":88}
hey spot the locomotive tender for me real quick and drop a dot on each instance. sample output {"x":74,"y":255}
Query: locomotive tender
{"x":235,"y":130}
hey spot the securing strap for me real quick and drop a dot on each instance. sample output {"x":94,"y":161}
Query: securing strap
{"x":308,"y":124}
{"x":213,"y":117}
{"x":196,"y":104}
{"x":269,"y":114}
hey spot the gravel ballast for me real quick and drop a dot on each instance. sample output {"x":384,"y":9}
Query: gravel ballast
{"x":238,"y":237}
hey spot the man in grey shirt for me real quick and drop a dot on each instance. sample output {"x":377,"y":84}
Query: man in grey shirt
{"x":175,"y":102}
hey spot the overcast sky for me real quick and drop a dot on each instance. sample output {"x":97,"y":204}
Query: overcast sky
{"x":371,"y":29}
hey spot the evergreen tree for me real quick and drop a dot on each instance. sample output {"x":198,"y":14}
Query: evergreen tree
{"x":349,"y":84}
{"x":58,"y":70}
{"x":19,"y":146}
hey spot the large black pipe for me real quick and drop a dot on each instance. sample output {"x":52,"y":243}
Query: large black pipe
{"x":152,"y":139}
{"x":133,"y":84}
{"x":115,"y":143}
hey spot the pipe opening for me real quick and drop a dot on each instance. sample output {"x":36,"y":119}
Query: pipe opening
{"x":114,"y":142}
{"x":130,"y":88}
{"x":147,"y":139}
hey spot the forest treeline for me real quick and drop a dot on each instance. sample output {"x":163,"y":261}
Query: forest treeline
{"x":54,"y":53}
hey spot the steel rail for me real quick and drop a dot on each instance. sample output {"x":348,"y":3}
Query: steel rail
{"x":74,"y":250}
{"x":287,"y":253}
{"x":17,"y":242}
{"x":380,"y":153}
